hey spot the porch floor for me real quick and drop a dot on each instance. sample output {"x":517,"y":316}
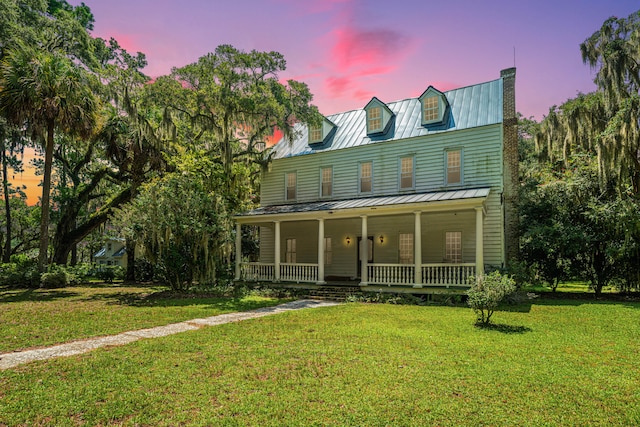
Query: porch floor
{"x":451,"y":290}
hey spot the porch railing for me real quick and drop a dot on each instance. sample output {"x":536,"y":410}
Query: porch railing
{"x":390,"y":274}
{"x":300,"y":272}
{"x":257,"y":271}
{"x":447,"y":274}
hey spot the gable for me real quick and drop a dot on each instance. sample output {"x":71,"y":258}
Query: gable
{"x":378,"y":117}
{"x":434,"y":107}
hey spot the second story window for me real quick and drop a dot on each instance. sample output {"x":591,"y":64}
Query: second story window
{"x":366,"y":175}
{"x":406,"y":173}
{"x":374,"y":119}
{"x":326,"y":176}
{"x":454,"y":167}
{"x":290,"y":183}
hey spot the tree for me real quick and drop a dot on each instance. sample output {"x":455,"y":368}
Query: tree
{"x":606,"y":122}
{"x":46,"y":91}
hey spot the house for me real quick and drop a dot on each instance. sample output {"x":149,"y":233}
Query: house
{"x":113,"y":252}
{"x":414,"y":195}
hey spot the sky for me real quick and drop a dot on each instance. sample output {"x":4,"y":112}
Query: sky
{"x":348,"y":51}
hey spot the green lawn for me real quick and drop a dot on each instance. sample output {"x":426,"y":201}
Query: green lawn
{"x":548,"y":363}
{"x":30,"y":318}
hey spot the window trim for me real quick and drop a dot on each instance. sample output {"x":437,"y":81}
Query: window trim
{"x":413,"y":173}
{"x":286,"y":186}
{"x":360,"y":191}
{"x":461,"y":166}
{"x":322,"y":169}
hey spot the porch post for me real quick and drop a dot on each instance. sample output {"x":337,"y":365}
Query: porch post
{"x":320,"y":252}
{"x":417,"y":252}
{"x":238,"y":249}
{"x":276,"y":261}
{"x":364,"y":252}
{"x":479,"y":241}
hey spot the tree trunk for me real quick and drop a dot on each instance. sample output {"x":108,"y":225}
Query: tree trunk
{"x":130,"y":275}
{"x":7,"y":205}
{"x":46,"y":187}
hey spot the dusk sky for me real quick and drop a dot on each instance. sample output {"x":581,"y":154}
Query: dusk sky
{"x":350,"y":50}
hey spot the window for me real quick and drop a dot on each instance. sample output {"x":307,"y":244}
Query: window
{"x":328,"y":255}
{"x":374,"y":119}
{"x":290,"y":179}
{"x":315,"y":134}
{"x":406,"y":172}
{"x":366,"y":173}
{"x":326,"y":176}
{"x":431,"y":110}
{"x":290,"y":256}
{"x":454,"y":169}
{"x":405,"y":248}
{"x":453,"y":246}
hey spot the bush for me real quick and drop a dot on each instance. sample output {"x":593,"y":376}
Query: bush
{"x":486,"y":293}
{"x":21,"y":272}
{"x":54,"y":279}
{"x":143,"y":270}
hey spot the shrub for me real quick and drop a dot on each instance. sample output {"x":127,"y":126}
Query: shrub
{"x":21,"y":272}
{"x":143,"y":270}
{"x":54,"y":279}
{"x":486,"y":293}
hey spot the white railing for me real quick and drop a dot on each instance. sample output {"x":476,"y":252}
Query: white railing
{"x":299,"y":272}
{"x":390,"y":274}
{"x":447,"y":274}
{"x":257,"y":271}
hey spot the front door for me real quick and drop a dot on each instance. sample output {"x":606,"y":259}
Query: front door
{"x":370,"y":258}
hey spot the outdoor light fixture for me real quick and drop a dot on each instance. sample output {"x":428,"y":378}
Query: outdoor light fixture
{"x":348,"y":240}
{"x":381,"y":239}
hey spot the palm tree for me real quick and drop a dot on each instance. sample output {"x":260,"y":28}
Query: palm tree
{"x":45,"y":91}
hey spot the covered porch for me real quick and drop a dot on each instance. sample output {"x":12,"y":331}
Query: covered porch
{"x":419,"y":241}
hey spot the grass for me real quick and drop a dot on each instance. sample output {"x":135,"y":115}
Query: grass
{"x":40,"y":317}
{"x":550,"y":362}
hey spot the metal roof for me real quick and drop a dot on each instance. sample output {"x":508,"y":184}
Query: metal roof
{"x":370,"y":202}
{"x":471,"y":106}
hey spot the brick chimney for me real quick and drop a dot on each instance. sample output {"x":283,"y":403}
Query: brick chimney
{"x":510,"y":162}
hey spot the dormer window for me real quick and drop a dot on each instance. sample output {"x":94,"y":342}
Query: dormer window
{"x":374,"y":120}
{"x":315,"y":134}
{"x":434,"y":105}
{"x":378,"y":117}
{"x":319,"y":134}
{"x":431,"y":110}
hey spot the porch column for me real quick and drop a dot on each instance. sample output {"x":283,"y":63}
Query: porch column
{"x":320,"y":252}
{"x":364,"y":252}
{"x":276,"y":261}
{"x":238,"y":249}
{"x":417,"y":251}
{"x":479,"y":241}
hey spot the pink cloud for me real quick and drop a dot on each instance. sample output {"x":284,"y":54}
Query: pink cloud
{"x":337,"y":86}
{"x":355,"y":47}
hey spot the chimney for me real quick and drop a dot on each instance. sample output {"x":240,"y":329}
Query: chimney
{"x":510,"y":163}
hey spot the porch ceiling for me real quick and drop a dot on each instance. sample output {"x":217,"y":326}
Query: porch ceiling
{"x":440,"y":200}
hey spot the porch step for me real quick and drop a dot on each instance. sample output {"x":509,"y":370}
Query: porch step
{"x":334,"y":293}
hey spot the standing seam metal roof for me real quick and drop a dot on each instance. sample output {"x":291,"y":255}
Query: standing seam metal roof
{"x":471,"y":106}
{"x":371,"y":202}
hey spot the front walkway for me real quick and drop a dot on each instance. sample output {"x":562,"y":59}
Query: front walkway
{"x":10,"y":360}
